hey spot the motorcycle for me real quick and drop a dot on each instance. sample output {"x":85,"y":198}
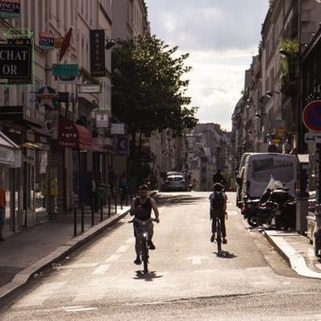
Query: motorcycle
{"x":249,"y":211}
{"x":275,"y":209}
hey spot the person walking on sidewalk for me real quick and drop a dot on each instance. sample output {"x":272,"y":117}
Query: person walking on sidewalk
{"x":2,"y":211}
{"x":141,"y":208}
{"x":218,"y":200}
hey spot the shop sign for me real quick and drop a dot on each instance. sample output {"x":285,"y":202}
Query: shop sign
{"x":48,"y":97}
{"x":89,"y":89}
{"x":65,"y":72}
{"x":102,"y":120}
{"x":9,"y":9}
{"x":46,"y":41}
{"x":117,"y":129}
{"x":97,"y":53}
{"x":121,"y":144}
{"x":15,"y":61}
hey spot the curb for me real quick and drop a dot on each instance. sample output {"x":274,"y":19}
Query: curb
{"x":21,"y":278}
{"x":294,"y":259}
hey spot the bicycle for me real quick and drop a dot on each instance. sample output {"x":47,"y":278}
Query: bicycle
{"x":219,"y":235}
{"x":142,"y":237}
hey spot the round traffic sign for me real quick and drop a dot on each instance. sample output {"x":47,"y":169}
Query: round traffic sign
{"x":311,"y":115}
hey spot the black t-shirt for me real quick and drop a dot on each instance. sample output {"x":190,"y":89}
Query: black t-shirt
{"x":145,"y":213}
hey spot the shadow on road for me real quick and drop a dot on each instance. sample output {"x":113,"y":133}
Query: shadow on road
{"x":225,"y":255}
{"x":148,"y":277}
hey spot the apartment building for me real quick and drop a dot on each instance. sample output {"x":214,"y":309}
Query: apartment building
{"x":61,"y":113}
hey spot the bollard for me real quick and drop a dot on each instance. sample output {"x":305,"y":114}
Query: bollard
{"x":109,"y":205}
{"x":115,"y":203}
{"x":101,"y":212}
{"x":75,"y":222}
{"x":121,"y":198}
{"x":82,"y":218}
{"x":92,"y":214}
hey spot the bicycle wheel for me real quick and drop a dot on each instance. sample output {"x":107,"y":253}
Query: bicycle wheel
{"x":219,"y":236}
{"x":145,"y":255}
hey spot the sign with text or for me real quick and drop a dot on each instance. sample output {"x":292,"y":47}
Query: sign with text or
{"x":102,"y":119}
{"x":311,"y":116}
{"x":16,"y":61}
{"x":97,"y":53}
{"x":46,"y":41}
{"x":66,"y":72}
{"x":9,"y":9}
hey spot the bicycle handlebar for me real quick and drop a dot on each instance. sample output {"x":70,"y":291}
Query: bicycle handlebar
{"x":141,"y":221}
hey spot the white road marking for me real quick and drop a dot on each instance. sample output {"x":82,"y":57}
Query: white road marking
{"x":77,"y":266}
{"x":197,"y":259}
{"x":112,"y":258}
{"x":78,"y":308}
{"x":101,"y":269}
{"x":122,"y":249}
{"x":130,"y":240}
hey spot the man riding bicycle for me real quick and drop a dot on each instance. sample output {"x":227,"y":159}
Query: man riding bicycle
{"x":141,"y":208}
{"x":218,"y":200}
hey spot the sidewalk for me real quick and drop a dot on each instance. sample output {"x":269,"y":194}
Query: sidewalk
{"x":296,"y":249}
{"x":24,"y":254}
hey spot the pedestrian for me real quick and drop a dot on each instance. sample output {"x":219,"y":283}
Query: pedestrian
{"x":93,"y":195}
{"x":218,"y":200}
{"x":2,"y":211}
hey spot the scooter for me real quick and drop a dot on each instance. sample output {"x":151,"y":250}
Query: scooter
{"x":249,"y":211}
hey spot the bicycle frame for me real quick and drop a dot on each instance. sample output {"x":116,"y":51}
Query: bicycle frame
{"x":142,"y":237}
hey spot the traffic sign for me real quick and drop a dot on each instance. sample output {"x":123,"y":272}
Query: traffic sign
{"x":312,"y":138}
{"x":311,"y":116}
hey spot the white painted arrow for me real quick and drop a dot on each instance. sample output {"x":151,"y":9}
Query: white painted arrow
{"x":197,"y":259}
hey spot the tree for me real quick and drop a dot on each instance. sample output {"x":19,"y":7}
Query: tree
{"x":149,"y":89}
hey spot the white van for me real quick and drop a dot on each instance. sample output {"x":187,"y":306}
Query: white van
{"x":260,"y":168}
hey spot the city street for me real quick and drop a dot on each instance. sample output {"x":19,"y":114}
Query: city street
{"x":187,"y":280}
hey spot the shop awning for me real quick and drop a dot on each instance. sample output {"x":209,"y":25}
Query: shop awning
{"x":10,"y":153}
{"x":74,"y":135}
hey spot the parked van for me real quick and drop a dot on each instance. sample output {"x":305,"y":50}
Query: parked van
{"x":259,"y":169}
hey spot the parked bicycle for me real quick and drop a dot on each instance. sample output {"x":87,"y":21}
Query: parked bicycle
{"x":143,"y":240}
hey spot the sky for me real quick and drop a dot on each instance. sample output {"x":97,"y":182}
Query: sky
{"x":221,"y":37}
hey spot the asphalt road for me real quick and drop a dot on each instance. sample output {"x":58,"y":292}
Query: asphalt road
{"x":187,"y":280}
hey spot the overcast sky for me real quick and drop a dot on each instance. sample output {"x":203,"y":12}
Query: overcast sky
{"x":221,"y":37}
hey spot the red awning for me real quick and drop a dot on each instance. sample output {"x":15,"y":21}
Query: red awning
{"x":74,"y":135}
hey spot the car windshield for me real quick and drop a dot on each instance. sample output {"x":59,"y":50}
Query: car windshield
{"x":175,"y":178}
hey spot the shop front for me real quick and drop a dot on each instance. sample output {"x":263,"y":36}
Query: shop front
{"x":71,"y":172}
{"x":10,"y":170}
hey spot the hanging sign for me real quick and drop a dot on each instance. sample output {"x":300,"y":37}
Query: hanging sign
{"x":46,"y":41}
{"x":9,"y":9}
{"x":15,"y":61}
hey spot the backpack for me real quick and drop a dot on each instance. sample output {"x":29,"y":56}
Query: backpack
{"x":217,"y":201}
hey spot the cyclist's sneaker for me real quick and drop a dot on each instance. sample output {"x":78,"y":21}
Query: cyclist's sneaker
{"x":212,"y":238}
{"x":224,"y":241}
{"x":138,"y":261}
{"x":151,"y":245}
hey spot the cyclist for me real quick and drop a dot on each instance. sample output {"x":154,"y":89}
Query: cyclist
{"x":218,"y":200}
{"x":141,"y":208}
{"x":219,"y":178}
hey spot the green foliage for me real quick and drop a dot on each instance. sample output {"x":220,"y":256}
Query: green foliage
{"x":148,"y":89}
{"x":289,"y":63}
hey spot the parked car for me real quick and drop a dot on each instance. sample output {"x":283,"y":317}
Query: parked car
{"x":175,"y":183}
